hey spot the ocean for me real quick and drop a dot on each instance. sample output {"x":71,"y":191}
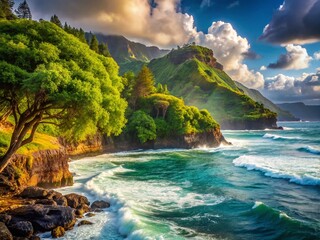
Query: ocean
{"x":265,"y":186}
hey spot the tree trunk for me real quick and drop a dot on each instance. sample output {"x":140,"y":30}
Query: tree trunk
{"x":5,"y":159}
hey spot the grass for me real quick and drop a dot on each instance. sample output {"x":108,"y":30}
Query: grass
{"x":41,"y":142}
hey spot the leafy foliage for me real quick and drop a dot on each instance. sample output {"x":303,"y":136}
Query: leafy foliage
{"x":24,"y":11}
{"x":6,"y":9}
{"x":54,"y":19}
{"x":142,"y":126}
{"x":49,"y":77}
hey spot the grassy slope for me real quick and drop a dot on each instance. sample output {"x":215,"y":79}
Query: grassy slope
{"x":41,"y":142}
{"x":206,"y":87}
{"x":258,"y":97}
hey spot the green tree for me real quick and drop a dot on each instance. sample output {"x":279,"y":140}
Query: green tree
{"x":104,"y":50}
{"x":142,"y":127}
{"x":144,"y":85}
{"x":94,"y":44}
{"x":23,"y":11}
{"x":54,"y":19}
{"x":49,"y":77}
{"x":6,"y":9}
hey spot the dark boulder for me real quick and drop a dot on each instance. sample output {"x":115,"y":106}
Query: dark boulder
{"x":45,"y":218}
{"x":34,"y":192}
{"x":4,"y":232}
{"x":61,"y":201}
{"x":46,"y":202}
{"x":58,"y":232}
{"x":5,"y":218}
{"x":82,"y":209}
{"x":74,"y":200}
{"x":84,"y":222}
{"x":21,"y":229}
{"x":100,"y":204}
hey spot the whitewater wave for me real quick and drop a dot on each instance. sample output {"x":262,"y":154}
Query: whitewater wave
{"x":129,"y":204}
{"x":292,"y":169}
{"x":278,"y":137}
{"x":309,"y":149}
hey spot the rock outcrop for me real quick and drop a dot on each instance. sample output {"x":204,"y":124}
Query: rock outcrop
{"x":24,"y":217}
{"x":47,"y":168}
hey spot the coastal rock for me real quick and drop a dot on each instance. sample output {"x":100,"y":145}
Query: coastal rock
{"x":34,"y":192}
{"x":46,"y":202}
{"x":58,"y":232}
{"x":21,"y":229}
{"x":90,"y":214}
{"x":5,"y":218}
{"x":5,"y":234}
{"x":62,"y":201}
{"x":99,"y":204}
{"x":82,"y":209}
{"x":46,"y":168}
{"x":74,"y":200}
{"x":45,"y":218}
{"x":84,"y":222}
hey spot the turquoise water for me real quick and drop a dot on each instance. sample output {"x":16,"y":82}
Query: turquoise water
{"x":265,"y":186}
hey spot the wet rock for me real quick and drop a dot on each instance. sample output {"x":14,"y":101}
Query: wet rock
{"x":4,"y":232}
{"x":34,"y":192}
{"x":58,"y":232}
{"x":84,"y":222}
{"x":5,"y":218}
{"x":34,"y":238}
{"x":100,"y":204}
{"x":90,"y":214}
{"x":74,"y":200}
{"x":82,"y":209}
{"x":62,"y":201}
{"x":45,"y":218}
{"x":46,"y":202}
{"x":21,"y":229}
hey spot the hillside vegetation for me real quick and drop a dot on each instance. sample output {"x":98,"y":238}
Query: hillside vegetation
{"x":193,"y":73}
{"x":258,"y":97}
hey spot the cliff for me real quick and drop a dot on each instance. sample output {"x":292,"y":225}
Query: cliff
{"x":47,"y":168}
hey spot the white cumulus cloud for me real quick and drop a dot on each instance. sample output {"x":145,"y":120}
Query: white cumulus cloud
{"x":317,"y":55}
{"x":296,"y":57}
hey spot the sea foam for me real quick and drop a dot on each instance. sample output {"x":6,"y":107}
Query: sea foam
{"x":286,"y":168}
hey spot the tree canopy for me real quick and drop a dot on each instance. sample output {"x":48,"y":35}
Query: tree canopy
{"x":23,"y":11}
{"x":6,"y":9}
{"x":49,"y":77}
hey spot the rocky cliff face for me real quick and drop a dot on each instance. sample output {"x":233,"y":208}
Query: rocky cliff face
{"x":47,"y":168}
{"x":208,"y":139}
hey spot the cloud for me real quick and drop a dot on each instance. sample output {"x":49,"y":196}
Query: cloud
{"x":158,"y":23}
{"x":296,"y":58}
{"x":162,"y":24}
{"x":206,"y":3}
{"x":263,"y":68}
{"x":317,"y":55}
{"x":234,"y":4}
{"x":283,"y":88}
{"x":296,"y":22}
{"x":251,"y":55}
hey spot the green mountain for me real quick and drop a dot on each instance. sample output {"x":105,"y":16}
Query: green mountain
{"x":195,"y":75}
{"x":302,"y":111}
{"x":130,"y":55}
{"x":258,"y":97}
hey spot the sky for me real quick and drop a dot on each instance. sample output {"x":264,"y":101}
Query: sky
{"x":269,"y":45}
